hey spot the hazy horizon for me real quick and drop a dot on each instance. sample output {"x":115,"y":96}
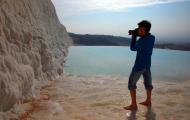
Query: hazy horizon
{"x":115,"y":17}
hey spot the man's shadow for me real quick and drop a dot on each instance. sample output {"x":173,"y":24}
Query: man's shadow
{"x":149,"y":115}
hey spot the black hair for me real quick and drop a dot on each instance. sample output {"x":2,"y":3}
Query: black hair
{"x":146,"y":24}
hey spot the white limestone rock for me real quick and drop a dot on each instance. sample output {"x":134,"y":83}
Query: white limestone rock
{"x":33,"y":45}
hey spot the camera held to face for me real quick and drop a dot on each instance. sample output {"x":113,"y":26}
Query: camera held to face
{"x":134,"y":32}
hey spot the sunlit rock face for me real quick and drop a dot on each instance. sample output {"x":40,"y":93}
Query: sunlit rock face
{"x":33,"y":45}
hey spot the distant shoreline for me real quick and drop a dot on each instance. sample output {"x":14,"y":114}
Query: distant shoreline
{"x":128,"y":46}
{"x":109,"y":40}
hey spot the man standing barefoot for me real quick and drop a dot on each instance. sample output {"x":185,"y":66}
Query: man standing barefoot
{"x":144,"y":48}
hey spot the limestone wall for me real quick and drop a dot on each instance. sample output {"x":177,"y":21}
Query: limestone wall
{"x":33,"y":45}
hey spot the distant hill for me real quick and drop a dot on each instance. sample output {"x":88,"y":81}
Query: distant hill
{"x":174,"y":46}
{"x":99,"y":40}
{"x":109,"y":40}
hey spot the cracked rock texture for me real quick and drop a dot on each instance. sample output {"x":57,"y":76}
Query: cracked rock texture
{"x":33,"y":45}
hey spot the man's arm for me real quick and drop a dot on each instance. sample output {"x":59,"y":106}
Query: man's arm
{"x":134,"y":46}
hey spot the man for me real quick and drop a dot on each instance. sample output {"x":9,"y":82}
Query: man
{"x":144,"y":48}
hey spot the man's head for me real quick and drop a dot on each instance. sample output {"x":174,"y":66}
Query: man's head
{"x":144,"y":28}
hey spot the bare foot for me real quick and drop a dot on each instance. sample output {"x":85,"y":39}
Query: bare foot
{"x":146,"y":103}
{"x":131,"y":107}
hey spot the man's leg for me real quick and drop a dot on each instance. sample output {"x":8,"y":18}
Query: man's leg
{"x":148,"y":85}
{"x":147,"y":102}
{"x":133,"y":105}
{"x":134,"y":77}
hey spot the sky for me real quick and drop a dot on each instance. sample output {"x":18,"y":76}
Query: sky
{"x":169,"y":18}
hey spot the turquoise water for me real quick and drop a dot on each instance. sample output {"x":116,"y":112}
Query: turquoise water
{"x":113,"y":60}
